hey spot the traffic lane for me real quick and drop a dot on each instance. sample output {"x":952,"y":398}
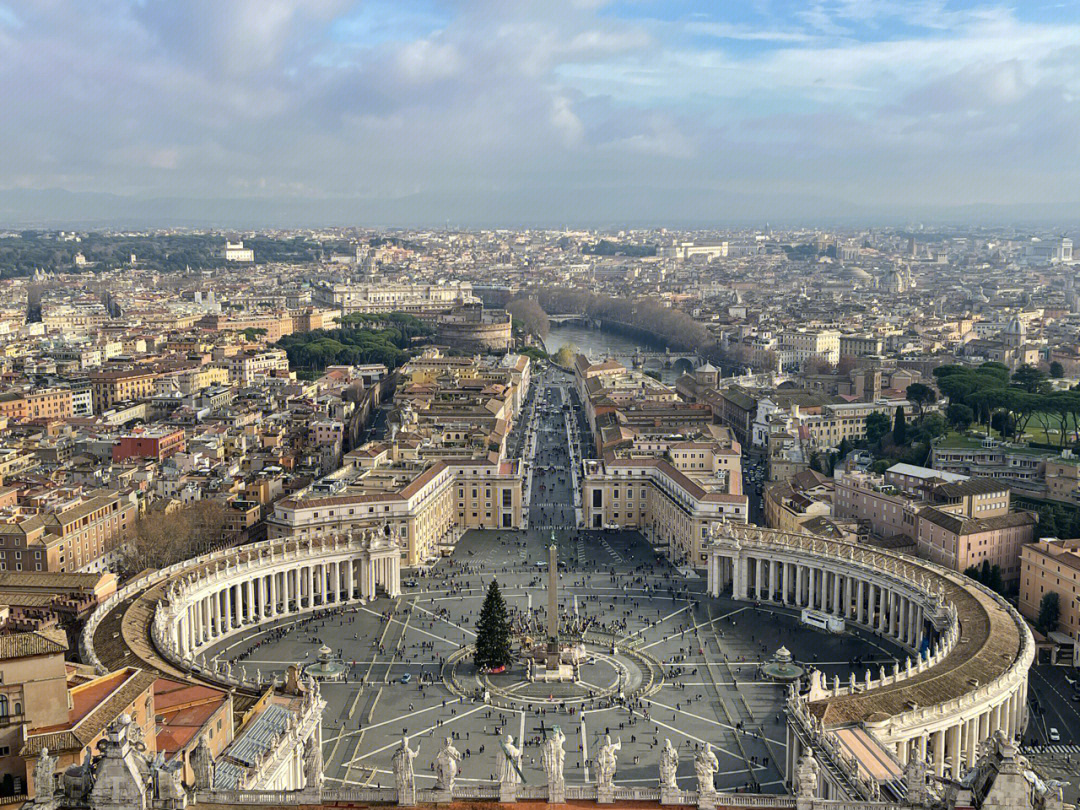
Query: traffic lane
{"x":1056,"y":707}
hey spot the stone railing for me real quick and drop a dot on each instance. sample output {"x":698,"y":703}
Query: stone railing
{"x":828,"y":745}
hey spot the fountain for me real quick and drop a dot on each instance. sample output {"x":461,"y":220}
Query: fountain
{"x":325,"y":667}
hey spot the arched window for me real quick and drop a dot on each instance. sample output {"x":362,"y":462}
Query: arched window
{"x":3,"y":706}
{"x":18,"y":707}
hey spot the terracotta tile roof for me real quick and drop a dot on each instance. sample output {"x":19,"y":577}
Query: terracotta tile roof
{"x":40,"y":642}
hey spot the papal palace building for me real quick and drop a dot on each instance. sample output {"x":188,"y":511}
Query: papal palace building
{"x":422,"y":501}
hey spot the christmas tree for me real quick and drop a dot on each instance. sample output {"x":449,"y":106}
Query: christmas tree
{"x":493,"y":631}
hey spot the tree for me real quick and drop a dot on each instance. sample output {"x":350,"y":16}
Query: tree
{"x":162,"y":537}
{"x":1057,"y":371}
{"x":815,"y":463}
{"x":565,"y":355}
{"x":960,"y":416}
{"x":899,"y":429}
{"x":932,"y":426}
{"x":920,"y":395}
{"x":530,"y":315}
{"x":844,"y":448}
{"x":877,"y":425}
{"x":1049,"y":612}
{"x":493,"y":631}
{"x":1031,"y":379}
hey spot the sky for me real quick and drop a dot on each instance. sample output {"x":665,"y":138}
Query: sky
{"x":513,"y":112}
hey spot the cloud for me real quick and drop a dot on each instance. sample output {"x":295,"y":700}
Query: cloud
{"x":537,"y":101}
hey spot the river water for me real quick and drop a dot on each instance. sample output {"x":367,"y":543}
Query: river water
{"x":598,"y":343}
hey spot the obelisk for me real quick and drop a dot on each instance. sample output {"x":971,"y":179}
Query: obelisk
{"x":553,"y":606}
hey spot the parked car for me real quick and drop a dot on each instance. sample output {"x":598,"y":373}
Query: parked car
{"x":1054,"y":735}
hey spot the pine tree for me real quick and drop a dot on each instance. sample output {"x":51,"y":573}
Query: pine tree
{"x":493,"y":631}
{"x":899,"y":431}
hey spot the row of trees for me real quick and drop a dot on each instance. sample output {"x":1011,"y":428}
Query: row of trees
{"x":386,"y":341}
{"x":674,"y":327}
{"x":530,"y":315}
{"x":989,"y":395}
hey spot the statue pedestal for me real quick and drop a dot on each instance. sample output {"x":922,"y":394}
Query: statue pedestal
{"x":406,"y":796}
{"x":441,"y":796}
{"x":557,"y":792}
{"x":670,"y":795}
{"x":507,"y":792}
{"x":605,"y":794}
{"x":707,"y":801}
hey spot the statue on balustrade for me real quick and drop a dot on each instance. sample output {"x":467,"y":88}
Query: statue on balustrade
{"x":554,"y":756}
{"x":509,"y":771}
{"x":669,"y":766}
{"x":446,"y":766}
{"x":705,"y":767}
{"x":202,"y":764}
{"x":404,"y":775}
{"x":607,"y":762}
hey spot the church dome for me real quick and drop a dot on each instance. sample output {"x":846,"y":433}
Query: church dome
{"x":1016,"y":327}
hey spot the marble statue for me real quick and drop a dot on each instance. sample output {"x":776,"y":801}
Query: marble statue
{"x":806,"y":776}
{"x":510,"y":764}
{"x":44,"y":778}
{"x":607,"y":761}
{"x":553,"y":756}
{"x":404,"y":776}
{"x":669,"y":765}
{"x":705,"y":767}
{"x":446,"y":766}
{"x":202,"y":764}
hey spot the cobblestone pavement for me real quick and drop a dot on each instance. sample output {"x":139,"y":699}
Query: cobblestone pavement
{"x":709,"y":647}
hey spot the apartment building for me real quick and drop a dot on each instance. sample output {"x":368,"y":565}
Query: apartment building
{"x":800,"y":346}
{"x":113,"y":387}
{"x":1047,"y":566}
{"x":41,"y":403}
{"x":154,"y":444}
{"x":955,"y":521}
{"x":247,"y":366}
{"x":860,"y":346}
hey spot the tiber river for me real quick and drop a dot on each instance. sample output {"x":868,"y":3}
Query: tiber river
{"x":598,"y":343}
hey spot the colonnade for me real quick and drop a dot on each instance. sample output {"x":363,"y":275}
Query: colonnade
{"x":902,"y":599}
{"x":210,"y":604}
{"x":886,"y":608}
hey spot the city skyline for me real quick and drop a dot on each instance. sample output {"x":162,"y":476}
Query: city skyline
{"x":595,"y":114}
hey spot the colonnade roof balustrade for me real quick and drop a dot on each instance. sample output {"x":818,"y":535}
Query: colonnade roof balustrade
{"x":120,"y":629}
{"x":992,"y":638}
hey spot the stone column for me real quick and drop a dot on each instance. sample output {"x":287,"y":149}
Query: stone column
{"x":939,"y":753}
{"x":921,"y":746}
{"x":799,"y":575}
{"x":774,"y":580}
{"x":836,"y":604}
{"x":311,"y":585}
{"x":859,"y":603}
{"x":972,"y":744}
{"x":348,"y":580}
{"x":954,"y":750}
